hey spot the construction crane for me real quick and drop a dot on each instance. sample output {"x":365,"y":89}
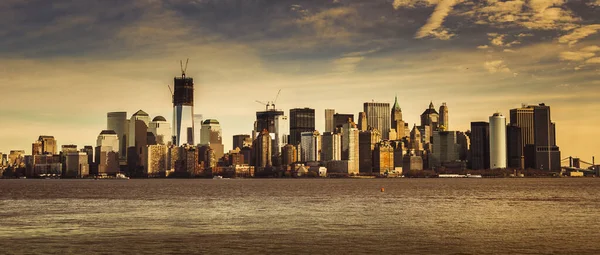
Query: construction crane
{"x":183,"y":69}
{"x":270,"y":103}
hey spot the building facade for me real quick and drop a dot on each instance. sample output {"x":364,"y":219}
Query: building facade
{"x":311,"y":146}
{"x":301,"y":120}
{"x":498,"y":159}
{"x":118,"y":122}
{"x":480,"y":145}
{"x":331,"y":146}
{"x":329,"y":123}
{"x":378,"y":117}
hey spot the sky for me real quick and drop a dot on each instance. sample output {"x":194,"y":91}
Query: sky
{"x":65,"y":64}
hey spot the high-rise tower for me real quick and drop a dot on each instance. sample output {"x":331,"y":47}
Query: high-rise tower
{"x":378,"y":117}
{"x":183,"y":108}
{"x":397,"y":122}
{"x":444,"y":117}
{"x":498,"y":157}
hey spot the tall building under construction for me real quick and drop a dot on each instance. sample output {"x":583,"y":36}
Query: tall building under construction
{"x":183,"y":109}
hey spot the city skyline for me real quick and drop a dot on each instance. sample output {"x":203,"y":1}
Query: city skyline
{"x":500,"y":67}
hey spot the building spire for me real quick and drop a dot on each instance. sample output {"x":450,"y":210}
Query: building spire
{"x":396,"y":105}
{"x":431,"y":105}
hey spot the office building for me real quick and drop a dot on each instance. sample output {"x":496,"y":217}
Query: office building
{"x":383,"y":158}
{"x":198,"y":119}
{"x":161,"y":130}
{"x":329,"y":123}
{"x":266,"y":120}
{"x":350,"y":147}
{"x":412,"y":162}
{"x":301,"y":120}
{"x":367,"y":140}
{"x":77,"y":165}
{"x":464,"y":143}
{"x":157,"y":160}
{"x":183,"y":109}
{"x":340,"y":119}
{"x":498,"y":159}
{"x":445,"y":148}
{"x":378,"y":117}
{"x":262,"y":150}
{"x":44,"y":145}
{"x":289,"y":155}
{"x":416,"y":141}
{"x":544,"y":154}
{"x":118,"y":122}
{"x":480,"y":145}
{"x":241,"y":141}
{"x":398,"y":125}
{"x":107,"y":153}
{"x":515,"y":155}
{"x":331,"y":146}
{"x":16,"y":158}
{"x":443,"y":114}
{"x":311,"y":146}
{"x":138,"y":141}
{"x":362,"y":121}
{"x":212,"y":136}
{"x":281,"y":133}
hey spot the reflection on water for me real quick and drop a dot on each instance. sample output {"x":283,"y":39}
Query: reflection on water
{"x":412,"y":216}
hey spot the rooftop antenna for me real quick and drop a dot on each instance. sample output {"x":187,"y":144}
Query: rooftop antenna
{"x":183,"y":68}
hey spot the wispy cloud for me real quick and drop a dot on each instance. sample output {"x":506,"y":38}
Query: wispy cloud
{"x":435,"y":21}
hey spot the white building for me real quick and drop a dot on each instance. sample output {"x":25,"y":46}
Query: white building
{"x":161,"y":130}
{"x":139,"y":115}
{"x":209,"y":132}
{"x":107,"y":153}
{"x":350,"y":143}
{"x":498,"y":159}
{"x":282,"y":132}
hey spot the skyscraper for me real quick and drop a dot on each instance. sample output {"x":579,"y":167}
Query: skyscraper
{"x":138,"y":140}
{"x":514,"y":147}
{"x":397,"y":122}
{"x":241,"y":141}
{"x":416,"y":141}
{"x":362,"y":121}
{"x":350,"y":149}
{"x":183,"y":109}
{"x":383,"y":158}
{"x":543,"y":154}
{"x":212,"y":136}
{"x":339,"y":119}
{"x":161,"y":130}
{"x":480,"y":145}
{"x":367,"y":140}
{"x":301,"y":120}
{"x":107,"y":152}
{"x":77,"y":164}
{"x":331,"y":146}
{"x":329,"y":124}
{"x":266,"y":120}
{"x":282,"y":128}
{"x":498,"y":158}
{"x":378,"y":117}
{"x":311,"y":146}
{"x":262,"y":150}
{"x":444,"y":120}
{"x":290,"y":155}
{"x":118,"y":122}
{"x":46,"y":145}
{"x":445,"y":148}
{"x":198,"y":119}
{"x":429,"y":122}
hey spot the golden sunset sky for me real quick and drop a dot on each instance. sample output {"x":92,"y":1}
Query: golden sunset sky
{"x":65,"y":64}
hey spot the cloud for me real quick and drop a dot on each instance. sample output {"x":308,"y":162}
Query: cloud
{"x":496,"y":66}
{"x":498,"y":40}
{"x":592,"y":48}
{"x":579,"y":33}
{"x":482,"y":47}
{"x":436,"y":19}
{"x":595,"y":60}
{"x":575,"y":55}
{"x":348,"y":62}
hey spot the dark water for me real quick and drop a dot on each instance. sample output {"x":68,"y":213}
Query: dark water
{"x":325,"y":216}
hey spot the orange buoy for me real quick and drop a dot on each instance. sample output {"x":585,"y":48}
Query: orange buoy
{"x":382,"y":190}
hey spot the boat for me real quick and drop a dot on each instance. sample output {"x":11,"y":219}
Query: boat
{"x":217,"y":177}
{"x":121,"y":176}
